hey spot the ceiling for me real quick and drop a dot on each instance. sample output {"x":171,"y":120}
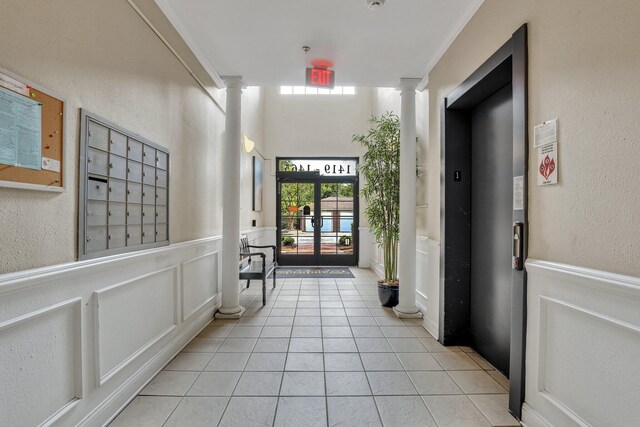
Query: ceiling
{"x":262,"y":40}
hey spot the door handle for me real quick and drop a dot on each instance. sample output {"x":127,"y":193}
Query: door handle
{"x":518,"y":229}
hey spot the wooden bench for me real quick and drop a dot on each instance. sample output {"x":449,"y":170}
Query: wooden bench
{"x":255,"y":270}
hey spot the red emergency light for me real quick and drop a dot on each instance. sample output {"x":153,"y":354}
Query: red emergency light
{"x":320,"y":77}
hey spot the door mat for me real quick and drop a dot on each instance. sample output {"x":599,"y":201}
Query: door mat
{"x":314,"y":273}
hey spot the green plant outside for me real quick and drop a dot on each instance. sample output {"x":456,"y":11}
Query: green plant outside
{"x":287,"y":241}
{"x":380,"y":169}
{"x":344,"y":239}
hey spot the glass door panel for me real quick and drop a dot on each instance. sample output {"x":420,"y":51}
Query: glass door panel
{"x":328,"y":206}
{"x":297,"y":231}
{"x":345,"y":218}
{"x":337,"y":207}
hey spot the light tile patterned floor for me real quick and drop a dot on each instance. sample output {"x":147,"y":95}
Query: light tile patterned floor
{"x":321,"y":352}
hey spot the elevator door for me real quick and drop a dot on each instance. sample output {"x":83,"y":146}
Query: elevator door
{"x":491,"y":227}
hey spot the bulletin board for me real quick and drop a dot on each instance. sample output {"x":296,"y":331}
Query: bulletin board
{"x":49,"y":176}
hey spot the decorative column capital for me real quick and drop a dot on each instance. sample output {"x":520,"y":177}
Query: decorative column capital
{"x":408,"y":84}
{"x":233,"y":82}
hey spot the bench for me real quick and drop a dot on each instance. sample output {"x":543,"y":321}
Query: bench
{"x":256,"y":269}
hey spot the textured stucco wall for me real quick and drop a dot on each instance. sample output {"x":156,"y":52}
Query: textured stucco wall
{"x":102,"y":56}
{"x":583,"y":69}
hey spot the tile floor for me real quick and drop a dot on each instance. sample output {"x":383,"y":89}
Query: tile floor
{"x":321,"y":352}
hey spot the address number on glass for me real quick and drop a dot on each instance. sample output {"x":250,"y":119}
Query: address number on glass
{"x":324,"y":167}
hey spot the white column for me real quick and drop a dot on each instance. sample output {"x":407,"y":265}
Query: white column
{"x":407,"y":254}
{"x":231,"y":308}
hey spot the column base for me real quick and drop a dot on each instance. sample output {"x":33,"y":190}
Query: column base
{"x":230,"y":313}
{"x":407,"y":313}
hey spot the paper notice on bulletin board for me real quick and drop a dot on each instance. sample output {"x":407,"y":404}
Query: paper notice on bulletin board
{"x":20,"y":130}
{"x":548,"y":164}
{"x":14,"y":85}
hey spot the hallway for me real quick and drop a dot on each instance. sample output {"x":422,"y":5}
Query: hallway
{"x":321,"y":352}
{"x":482,"y":154}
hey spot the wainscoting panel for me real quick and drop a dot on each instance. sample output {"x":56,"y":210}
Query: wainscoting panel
{"x":583,"y":347}
{"x":132,"y":316}
{"x":366,"y":247}
{"x":422,"y":274}
{"x":371,"y":255}
{"x":78,"y":341}
{"x":199,"y":283}
{"x":427,"y":286}
{"x":41,"y":364}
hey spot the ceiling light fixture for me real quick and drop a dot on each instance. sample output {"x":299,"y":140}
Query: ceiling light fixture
{"x":375,"y":4}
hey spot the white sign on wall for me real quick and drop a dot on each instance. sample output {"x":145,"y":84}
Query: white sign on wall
{"x":545,"y":133}
{"x":546,"y":144}
{"x":548,"y":164}
{"x":518,"y":193}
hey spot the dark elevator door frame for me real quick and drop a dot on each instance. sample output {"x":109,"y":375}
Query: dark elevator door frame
{"x":507,"y":65}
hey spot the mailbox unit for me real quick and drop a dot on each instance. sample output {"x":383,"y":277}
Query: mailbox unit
{"x":124,"y":190}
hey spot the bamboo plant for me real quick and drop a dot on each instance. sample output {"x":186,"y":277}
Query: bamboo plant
{"x":380,"y":169}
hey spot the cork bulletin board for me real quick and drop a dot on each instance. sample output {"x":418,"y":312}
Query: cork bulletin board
{"x":47,"y":173}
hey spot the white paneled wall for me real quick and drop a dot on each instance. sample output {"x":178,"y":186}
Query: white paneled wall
{"x":366,"y":248}
{"x":133,"y":306}
{"x":41,"y":376}
{"x":197,"y":270}
{"x":428,"y":282}
{"x":583,"y":347}
{"x":427,"y":273}
{"x":79,"y":340}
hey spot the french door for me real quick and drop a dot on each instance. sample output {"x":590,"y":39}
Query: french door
{"x":317,"y":217}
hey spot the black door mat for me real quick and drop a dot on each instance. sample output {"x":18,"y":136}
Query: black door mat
{"x":314,"y":273}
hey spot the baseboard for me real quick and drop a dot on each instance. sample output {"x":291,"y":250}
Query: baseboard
{"x":421,"y":307}
{"x":531,"y":418}
{"x":377,"y":268}
{"x":431,"y":327}
{"x":113,"y":404}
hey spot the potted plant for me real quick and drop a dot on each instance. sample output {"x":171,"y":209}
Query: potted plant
{"x":380,"y":169}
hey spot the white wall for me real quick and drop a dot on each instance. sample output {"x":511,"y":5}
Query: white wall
{"x":582,"y":320}
{"x":583,"y":347}
{"x":253,"y":127}
{"x":388,"y":99}
{"x":104,"y":58}
{"x":314,"y":126}
{"x":311,"y":126}
{"x":580,"y":71}
{"x":78,"y":340}
{"x":427,"y":250}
